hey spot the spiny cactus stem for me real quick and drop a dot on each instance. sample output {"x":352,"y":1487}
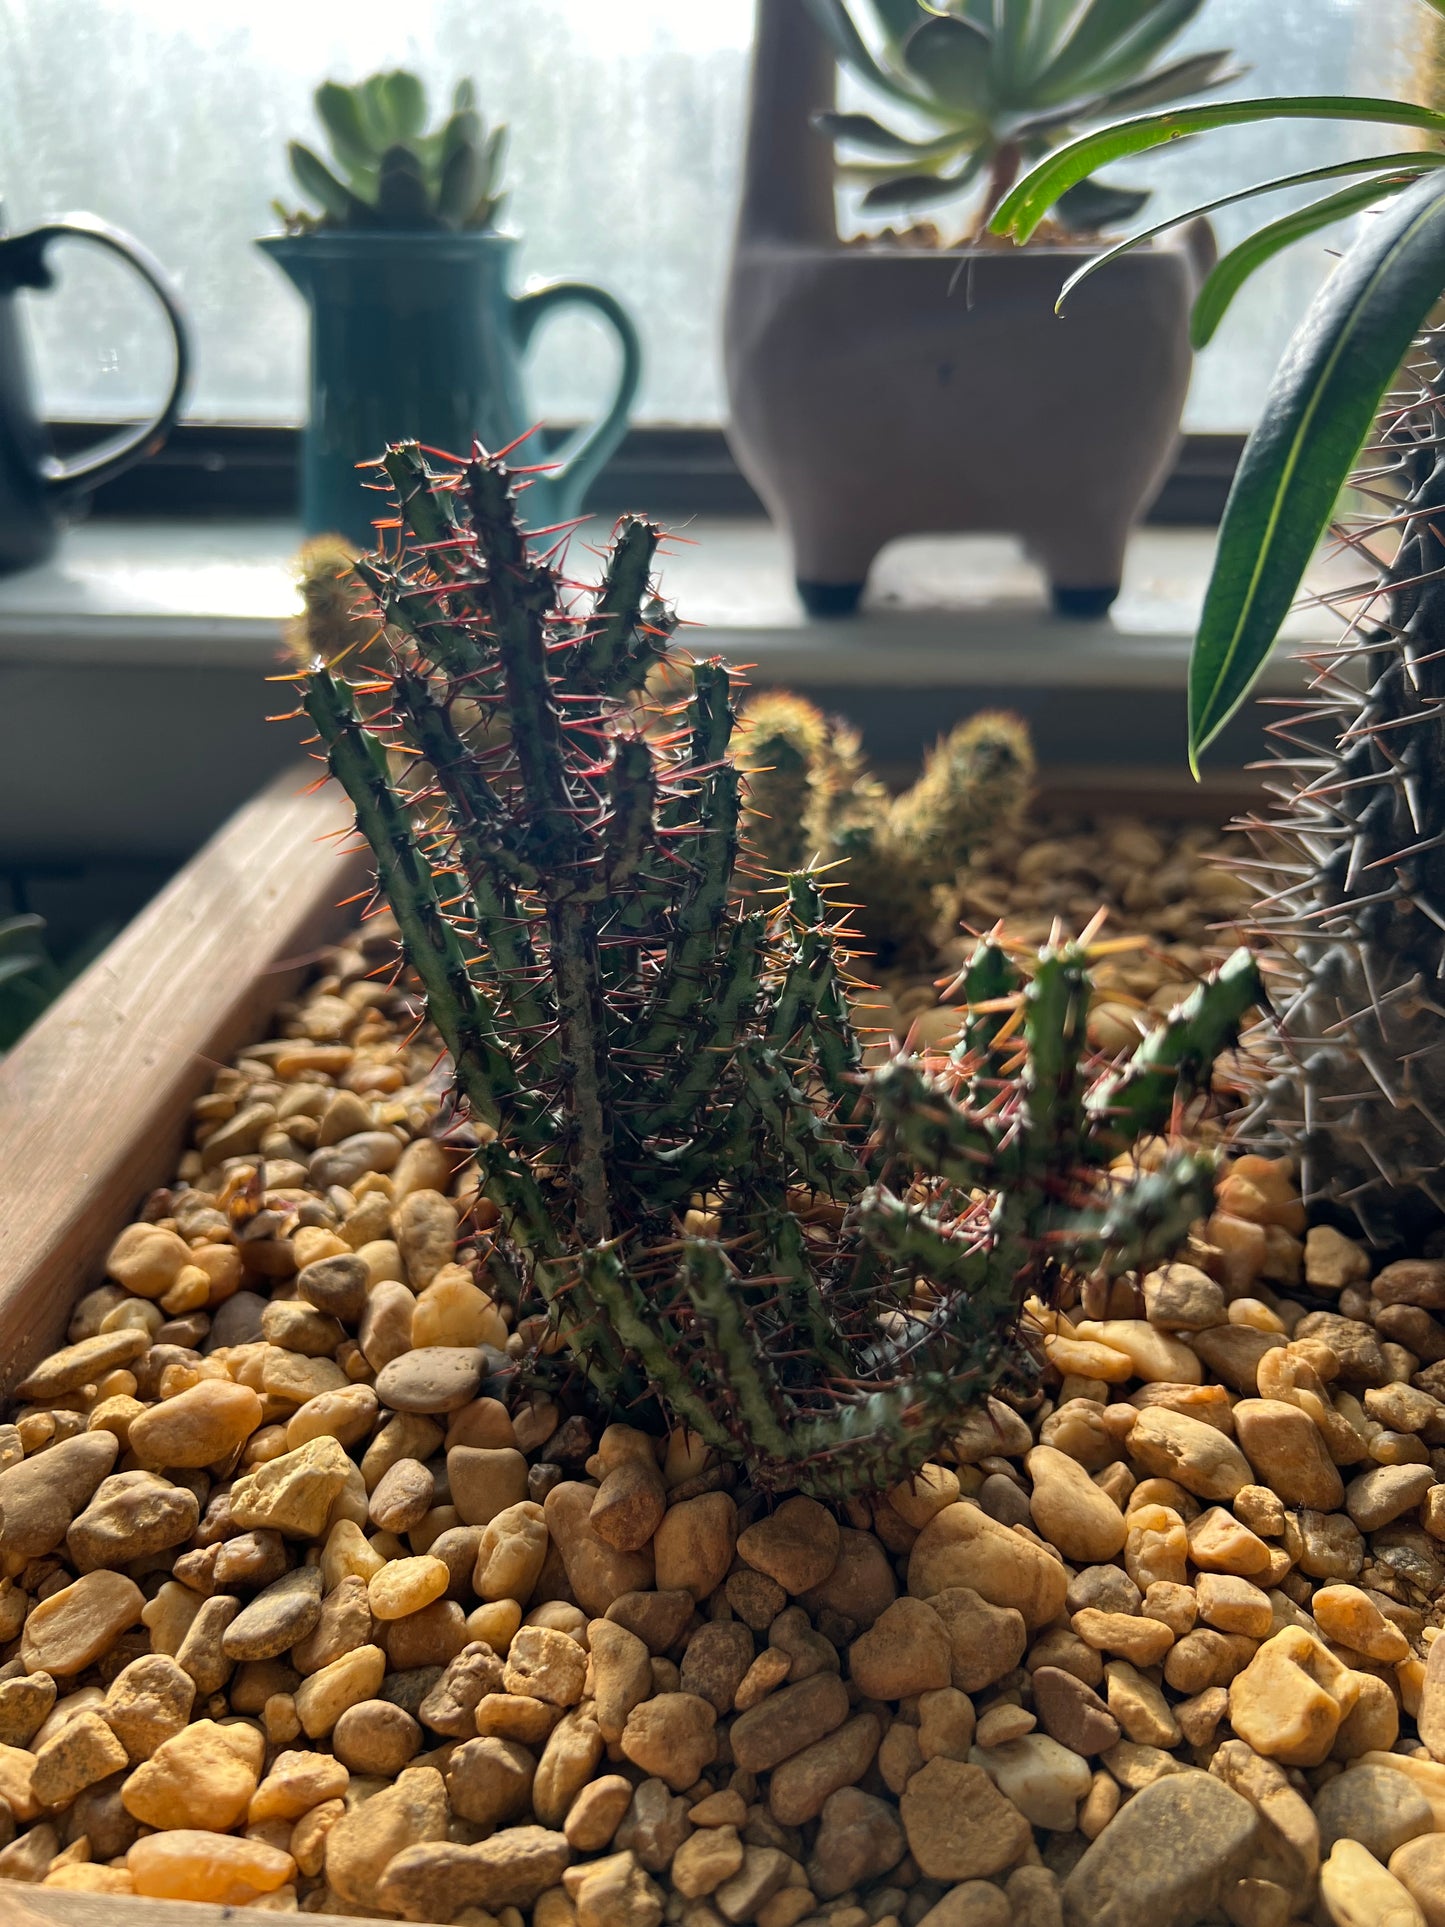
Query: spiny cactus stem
{"x":733,"y":996}
{"x":1145,"y":1222}
{"x":632,"y":794}
{"x":613,"y":658}
{"x":484,"y":1069}
{"x":913,"y":1235}
{"x":791,"y":1259}
{"x":636,"y":1324}
{"x":711,"y":1286}
{"x":1170,"y":1063}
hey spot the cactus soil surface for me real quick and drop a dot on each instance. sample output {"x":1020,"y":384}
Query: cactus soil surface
{"x":309,"y":1603}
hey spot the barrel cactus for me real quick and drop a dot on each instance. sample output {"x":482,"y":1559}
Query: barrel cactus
{"x":816,"y":1271}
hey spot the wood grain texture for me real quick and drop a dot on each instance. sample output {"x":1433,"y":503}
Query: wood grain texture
{"x":22,"y":1906}
{"x":94,"y":1099}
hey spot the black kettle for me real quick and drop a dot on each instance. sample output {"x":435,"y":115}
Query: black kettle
{"x":35,"y":486}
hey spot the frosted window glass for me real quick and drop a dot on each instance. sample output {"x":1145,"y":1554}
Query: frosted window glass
{"x":170,"y":118}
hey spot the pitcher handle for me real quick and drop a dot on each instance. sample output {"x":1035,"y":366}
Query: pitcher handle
{"x":22,"y":265}
{"x":584,"y":452}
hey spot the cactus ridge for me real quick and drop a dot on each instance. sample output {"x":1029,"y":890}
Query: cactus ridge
{"x":1352,"y":863}
{"x":816,"y":1269}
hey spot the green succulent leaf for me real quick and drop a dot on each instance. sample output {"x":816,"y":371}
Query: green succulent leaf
{"x":897,"y":19}
{"x":464,"y":97}
{"x":1316,"y":418}
{"x":1089,"y":206}
{"x":849,"y":46}
{"x":861,"y":130}
{"x":1196,"y":74}
{"x":463,"y":128}
{"x":318,"y":183}
{"x":1387,"y":167}
{"x":461,"y":186}
{"x":375,"y":111}
{"x":1026,"y":205}
{"x":951,"y":57}
{"x":1112,"y":40}
{"x":339,"y":112}
{"x":920,"y":190}
{"x":493,"y":155}
{"x":405,"y":104}
{"x":402,"y":196}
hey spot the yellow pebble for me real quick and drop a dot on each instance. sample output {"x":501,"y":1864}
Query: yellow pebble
{"x":188,"y":1864}
{"x":406,"y":1585}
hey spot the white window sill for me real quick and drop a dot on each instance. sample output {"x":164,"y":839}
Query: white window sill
{"x":942,"y":611}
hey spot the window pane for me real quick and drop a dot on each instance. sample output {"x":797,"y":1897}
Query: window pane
{"x":171,"y":120}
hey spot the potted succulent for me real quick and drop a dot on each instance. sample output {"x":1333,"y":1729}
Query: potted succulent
{"x":406,"y":277}
{"x":879,"y":388}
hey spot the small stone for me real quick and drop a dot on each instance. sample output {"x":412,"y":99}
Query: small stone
{"x":25,"y":1701}
{"x":1419,"y":1866}
{"x":1181,"y":1297}
{"x":746,"y":1894}
{"x":200,"y":1778}
{"x":986,"y":1641}
{"x":78,"y":1624}
{"x":292,"y":1494}
{"x":275,"y":1619}
{"x":694,"y":1545}
{"x":1070,"y":1510}
{"x":204,"y":1425}
{"x":1233,"y":1605}
{"x":1233,"y":1353}
{"x":1325,"y":1545}
{"x":797,"y":1545}
{"x":803,"y":1782}
{"x":1219,"y":1543}
{"x":596,"y":1572}
{"x":294,"y":1784}
{"x":1285,"y":1447}
{"x":716,"y":1663}
{"x":705,"y":1860}
{"x":1356,"y":1891}
{"x":337,"y":1285}
{"x":1349,"y":1617}
{"x":657,"y":1823}
{"x":546,"y":1665}
{"x":1130,"y":1635}
{"x":77,"y":1755}
{"x":403,"y":1496}
{"x":489,"y":1781}
{"x":1138,"y":1706}
{"x":615,"y":1892}
{"x":325,"y":1696}
{"x":1384,"y":1493}
{"x":860,"y":1838}
{"x":907,"y":1650}
{"x":486,"y":1481}
{"x":40,"y":1495}
{"x":630,"y":1504}
{"x":1288,"y":1702}
{"x":1374,"y":1805}
{"x":860,"y":1585}
{"x":370,"y":1837}
{"x":511,"y":1870}
{"x":148,"y":1702}
{"x":435,"y":1378}
{"x":1332,"y":1260}
{"x":1072,"y":1713}
{"x":657,"y":1618}
{"x":1261,"y":1510}
{"x":376,"y":1737}
{"x":405,"y":1586}
{"x":85,"y":1363}
{"x":569,"y":1759}
{"x":1196,"y":1456}
{"x":962,"y":1547}
{"x":672,"y":1737}
{"x":946,"y":1724}
{"x":959,"y":1826}
{"x":1034,"y":1898}
{"x":597,"y":1812}
{"x":1044,"y":1780}
{"x":131,"y":1516}
{"x":788,"y":1720}
{"x":1166,"y":1858}
{"x":194,"y":1864}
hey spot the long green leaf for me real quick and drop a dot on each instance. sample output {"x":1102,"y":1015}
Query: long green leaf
{"x":1021,"y":210}
{"x":1373,"y":164}
{"x":920,"y":190}
{"x":1118,"y":50}
{"x":1316,"y":417}
{"x":1229,"y":275}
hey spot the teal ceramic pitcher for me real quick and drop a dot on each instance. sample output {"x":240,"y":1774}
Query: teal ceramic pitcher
{"x":417,"y":336}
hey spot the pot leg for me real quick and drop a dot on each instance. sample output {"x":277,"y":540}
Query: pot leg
{"x":830,"y":567}
{"x":1083,"y":565}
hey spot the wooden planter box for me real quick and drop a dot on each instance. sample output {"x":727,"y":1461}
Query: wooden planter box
{"x":95,"y":1100}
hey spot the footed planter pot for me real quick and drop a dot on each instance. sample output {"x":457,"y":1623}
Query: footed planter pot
{"x":879,"y":390}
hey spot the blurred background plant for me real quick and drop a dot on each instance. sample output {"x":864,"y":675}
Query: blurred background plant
{"x":388,"y":170}
{"x":997,"y":83}
{"x":30,"y":977}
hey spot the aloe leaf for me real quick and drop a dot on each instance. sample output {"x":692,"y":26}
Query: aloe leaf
{"x":951,"y":57}
{"x":406,"y":104}
{"x":339,"y":113}
{"x":1090,"y":205}
{"x":861,"y":130}
{"x":1385,"y":165}
{"x":1107,"y":34}
{"x":1021,"y":210}
{"x":1196,"y":74}
{"x":1316,"y":418}
{"x":834,"y":19}
{"x":1128,"y":60}
{"x":318,"y":183}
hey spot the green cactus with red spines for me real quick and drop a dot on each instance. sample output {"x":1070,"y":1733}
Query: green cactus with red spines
{"x":641,"y":1044}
